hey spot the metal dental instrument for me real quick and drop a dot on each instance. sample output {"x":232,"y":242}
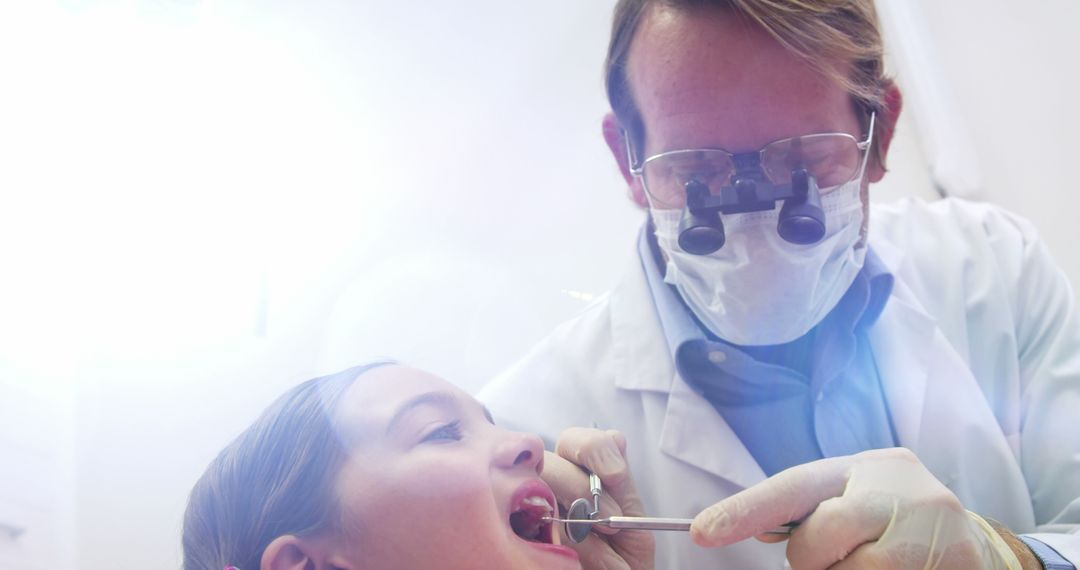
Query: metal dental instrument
{"x":580,"y":510}
{"x":629,"y":523}
{"x":578,"y":529}
{"x":580,"y":518}
{"x":596,"y":489}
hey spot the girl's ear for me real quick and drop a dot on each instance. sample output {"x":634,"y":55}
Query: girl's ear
{"x":894,"y":103}
{"x":293,"y":553}
{"x":287,"y":553}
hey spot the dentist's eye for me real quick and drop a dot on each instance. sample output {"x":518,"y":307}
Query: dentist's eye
{"x":447,"y":432}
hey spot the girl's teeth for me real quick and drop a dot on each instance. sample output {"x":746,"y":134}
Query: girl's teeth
{"x":537,"y":502}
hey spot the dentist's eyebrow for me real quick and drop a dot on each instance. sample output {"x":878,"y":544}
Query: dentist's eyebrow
{"x":444,"y":400}
{"x":487,"y":414}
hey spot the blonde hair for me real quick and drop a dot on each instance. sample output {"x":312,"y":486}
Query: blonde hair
{"x":821,"y":32}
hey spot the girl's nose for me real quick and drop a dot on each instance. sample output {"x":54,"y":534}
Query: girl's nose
{"x":521,"y":450}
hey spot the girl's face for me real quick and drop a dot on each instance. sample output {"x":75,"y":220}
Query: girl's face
{"x":431,"y":482}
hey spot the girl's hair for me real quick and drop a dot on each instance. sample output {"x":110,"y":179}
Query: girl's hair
{"x":276,"y":478}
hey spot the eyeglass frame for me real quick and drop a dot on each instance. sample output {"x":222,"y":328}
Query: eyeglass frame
{"x":638,"y":170}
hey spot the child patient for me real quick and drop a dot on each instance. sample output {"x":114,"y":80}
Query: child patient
{"x":377,"y":467}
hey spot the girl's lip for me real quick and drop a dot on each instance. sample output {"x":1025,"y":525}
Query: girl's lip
{"x":556,"y":549}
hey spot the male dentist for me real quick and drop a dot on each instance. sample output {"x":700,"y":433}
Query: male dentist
{"x":902,"y":381}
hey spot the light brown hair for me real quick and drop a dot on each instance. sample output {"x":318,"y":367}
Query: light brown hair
{"x":821,"y":32}
{"x":275,"y":479}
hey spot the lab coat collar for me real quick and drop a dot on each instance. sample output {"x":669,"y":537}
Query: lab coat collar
{"x":689,"y":418}
{"x":644,"y":363}
{"x":642,"y":360}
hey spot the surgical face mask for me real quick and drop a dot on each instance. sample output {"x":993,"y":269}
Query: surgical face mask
{"x":759,"y":289}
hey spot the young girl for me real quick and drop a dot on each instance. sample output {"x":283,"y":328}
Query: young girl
{"x":377,"y":467}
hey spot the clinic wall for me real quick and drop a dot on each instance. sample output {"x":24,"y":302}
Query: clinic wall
{"x":406,"y":179}
{"x":1010,"y":71}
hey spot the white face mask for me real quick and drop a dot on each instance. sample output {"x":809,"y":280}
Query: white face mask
{"x":759,"y":289}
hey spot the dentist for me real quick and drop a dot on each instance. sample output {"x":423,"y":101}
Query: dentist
{"x":904,"y":381}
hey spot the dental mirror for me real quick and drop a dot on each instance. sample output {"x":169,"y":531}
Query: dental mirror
{"x":579,"y":511}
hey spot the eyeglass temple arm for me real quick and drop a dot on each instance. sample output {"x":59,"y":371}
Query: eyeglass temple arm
{"x":631,"y":161}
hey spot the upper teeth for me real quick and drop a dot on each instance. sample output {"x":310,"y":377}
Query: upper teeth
{"x":537,"y":501}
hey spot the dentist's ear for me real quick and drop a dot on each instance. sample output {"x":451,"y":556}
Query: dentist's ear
{"x":289,"y":552}
{"x":615,"y":138}
{"x":890,"y":115}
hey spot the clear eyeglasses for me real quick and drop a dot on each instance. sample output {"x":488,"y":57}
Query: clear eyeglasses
{"x":831,"y":158}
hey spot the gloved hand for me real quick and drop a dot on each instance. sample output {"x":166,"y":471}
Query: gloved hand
{"x":876,"y":509}
{"x":602,"y":452}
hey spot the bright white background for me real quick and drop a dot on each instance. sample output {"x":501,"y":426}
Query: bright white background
{"x":205,"y":202}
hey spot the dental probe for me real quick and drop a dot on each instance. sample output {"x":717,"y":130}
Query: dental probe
{"x":653,"y":523}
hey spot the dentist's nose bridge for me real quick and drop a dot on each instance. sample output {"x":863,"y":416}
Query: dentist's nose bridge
{"x":515,"y":449}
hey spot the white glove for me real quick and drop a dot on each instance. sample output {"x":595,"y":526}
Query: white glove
{"x":602,"y":452}
{"x":876,"y":509}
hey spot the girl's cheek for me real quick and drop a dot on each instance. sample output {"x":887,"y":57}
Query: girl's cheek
{"x":450,"y":480}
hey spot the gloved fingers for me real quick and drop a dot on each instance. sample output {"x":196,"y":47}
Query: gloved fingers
{"x":570,"y":483}
{"x":771,"y":538}
{"x":595,"y":552}
{"x":630,"y":549}
{"x":838,"y":527}
{"x":787,"y":496}
{"x":603,"y":452}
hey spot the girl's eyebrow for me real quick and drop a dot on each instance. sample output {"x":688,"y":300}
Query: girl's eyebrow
{"x":444,"y":400}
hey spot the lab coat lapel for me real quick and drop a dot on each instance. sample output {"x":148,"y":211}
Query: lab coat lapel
{"x":900,"y":341}
{"x":696,"y":434}
{"x":639,"y":350}
{"x":962,"y":444}
{"x":941,"y":414}
{"x":693,"y":432}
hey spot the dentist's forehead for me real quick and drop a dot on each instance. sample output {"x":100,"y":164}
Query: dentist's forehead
{"x":692,"y":70}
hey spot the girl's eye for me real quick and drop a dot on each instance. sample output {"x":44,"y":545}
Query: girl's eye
{"x":448,"y":432}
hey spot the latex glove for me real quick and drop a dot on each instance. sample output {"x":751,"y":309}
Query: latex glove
{"x":602,"y":452}
{"x":876,"y":509}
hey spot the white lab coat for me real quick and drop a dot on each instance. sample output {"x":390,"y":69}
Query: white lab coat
{"x":978,"y":351}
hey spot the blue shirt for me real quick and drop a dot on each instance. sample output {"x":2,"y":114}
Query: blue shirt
{"x":817,"y":396}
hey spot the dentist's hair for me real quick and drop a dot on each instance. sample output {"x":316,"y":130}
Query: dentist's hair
{"x":823,"y":33}
{"x":276,"y":478}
